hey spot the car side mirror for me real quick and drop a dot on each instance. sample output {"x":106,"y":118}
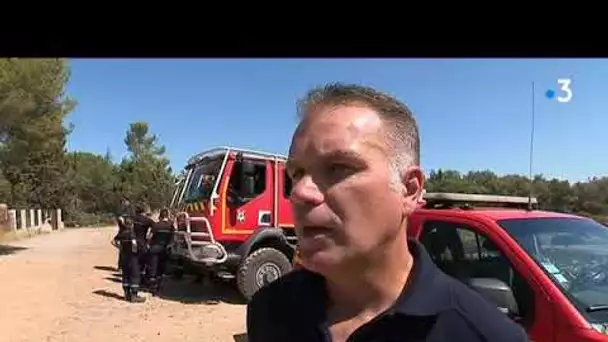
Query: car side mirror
{"x":497,"y":292}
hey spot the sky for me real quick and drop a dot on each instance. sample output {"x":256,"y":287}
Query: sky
{"x":473,"y":114}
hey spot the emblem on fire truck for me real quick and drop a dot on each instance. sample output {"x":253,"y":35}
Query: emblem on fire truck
{"x":240,"y":216}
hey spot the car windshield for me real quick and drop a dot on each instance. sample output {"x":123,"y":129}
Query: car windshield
{"x":202,"y":180}
{"x":573,"y":252}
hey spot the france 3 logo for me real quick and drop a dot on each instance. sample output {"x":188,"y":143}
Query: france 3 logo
{"x":564,"y":94}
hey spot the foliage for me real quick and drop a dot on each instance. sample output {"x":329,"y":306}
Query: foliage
{"x":38,"y":172}
{"x":585,"y":198}
{"x":32,"y":108}
{"x":145,"y":176}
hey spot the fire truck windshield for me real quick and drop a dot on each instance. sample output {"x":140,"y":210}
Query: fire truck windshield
{"x":573,"y":252}
{"x":203,"y":179}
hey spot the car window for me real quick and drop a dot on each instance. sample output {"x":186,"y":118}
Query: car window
{"x":462,"y":252}
{"x":573,"y":252}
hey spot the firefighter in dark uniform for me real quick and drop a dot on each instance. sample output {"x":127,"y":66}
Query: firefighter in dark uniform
{"x":142,"y":224}
{"x":160,"y":238}
{"x":125,"y":210}
{"x":128,"y":246}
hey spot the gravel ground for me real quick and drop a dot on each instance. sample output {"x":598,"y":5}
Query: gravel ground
{"x":63,"y":287}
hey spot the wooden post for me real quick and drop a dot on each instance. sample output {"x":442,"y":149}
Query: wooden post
{"x":4,"y":218}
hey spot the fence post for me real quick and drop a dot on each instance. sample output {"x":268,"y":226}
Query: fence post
{"x":56,"y":220}
{"x":4,"y":218}
{"x":32,"y":223}
{"x":39,"y":216}
{"x":12,"y":219}
{"x":23,"y":216}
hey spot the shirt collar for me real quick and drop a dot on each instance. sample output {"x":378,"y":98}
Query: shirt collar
{"x":425,"y":293}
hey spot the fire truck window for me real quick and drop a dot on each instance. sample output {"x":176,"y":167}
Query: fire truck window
{"x":178,"y":191}
{"x":462,"y":252}
{"x":259,"y":186}
{"x":192,"y":191}
{"x":260,"y":179}
{"x":287,"y":184}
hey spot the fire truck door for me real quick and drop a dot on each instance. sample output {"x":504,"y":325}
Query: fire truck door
{"x":249,"y":198}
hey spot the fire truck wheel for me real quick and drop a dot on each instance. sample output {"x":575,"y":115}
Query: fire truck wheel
{"x":261,"y":267}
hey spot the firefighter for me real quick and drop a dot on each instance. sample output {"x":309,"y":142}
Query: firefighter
{"x":129,"y":249}
{"x":159,"y":240}
{"x":142,"y":224}
{"x":125,"y":210}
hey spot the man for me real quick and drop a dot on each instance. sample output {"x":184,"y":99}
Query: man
{"x":354,"y":163}
{"x":142,"y":224}
{"x":126,"y":241}
{"x":159,"y":240}
{"x":124,"y":210}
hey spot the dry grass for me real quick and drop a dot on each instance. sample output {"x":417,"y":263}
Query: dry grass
{"x":11,"y":235}
{"x":7,"y":236}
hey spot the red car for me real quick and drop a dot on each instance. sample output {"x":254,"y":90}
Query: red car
{"x":547,"y":271}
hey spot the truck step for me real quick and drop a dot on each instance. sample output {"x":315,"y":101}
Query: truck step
{"x":225,"y":275}
{"x":200,"y":234}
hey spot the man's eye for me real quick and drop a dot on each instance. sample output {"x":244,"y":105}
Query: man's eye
{"x":338,"y":169}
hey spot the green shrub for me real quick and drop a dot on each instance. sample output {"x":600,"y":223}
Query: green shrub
{"x":80,"y":219}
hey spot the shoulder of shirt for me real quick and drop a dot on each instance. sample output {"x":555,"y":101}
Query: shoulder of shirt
{"x":285,"y":292}
{"x":482,"y":316}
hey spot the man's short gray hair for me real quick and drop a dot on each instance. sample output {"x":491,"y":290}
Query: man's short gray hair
{"x":400,"y":125}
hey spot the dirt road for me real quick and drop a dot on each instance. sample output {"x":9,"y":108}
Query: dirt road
{"x":62,"y":287}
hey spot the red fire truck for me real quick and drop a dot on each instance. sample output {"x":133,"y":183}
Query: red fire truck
{"x":234,"y":217}
{"x":547,"y":271}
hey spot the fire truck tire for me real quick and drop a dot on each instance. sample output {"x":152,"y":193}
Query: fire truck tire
{"x":262,"y":263}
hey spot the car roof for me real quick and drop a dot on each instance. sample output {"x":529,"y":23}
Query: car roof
{"x":496,"y":214}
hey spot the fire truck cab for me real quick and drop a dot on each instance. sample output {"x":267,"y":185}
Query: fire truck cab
{"x":234,"y":219}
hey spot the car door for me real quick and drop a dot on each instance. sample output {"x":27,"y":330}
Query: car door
{"x":464,"y":249}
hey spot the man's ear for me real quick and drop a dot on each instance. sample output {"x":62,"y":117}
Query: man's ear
{"x":413,"y":186}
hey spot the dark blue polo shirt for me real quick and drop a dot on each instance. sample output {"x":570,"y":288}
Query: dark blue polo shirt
{"x":432,"y":307}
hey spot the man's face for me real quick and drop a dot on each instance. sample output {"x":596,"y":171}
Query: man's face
{"x":345,"y":209}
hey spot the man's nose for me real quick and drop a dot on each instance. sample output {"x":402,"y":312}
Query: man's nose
{"x":305,"y":191}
